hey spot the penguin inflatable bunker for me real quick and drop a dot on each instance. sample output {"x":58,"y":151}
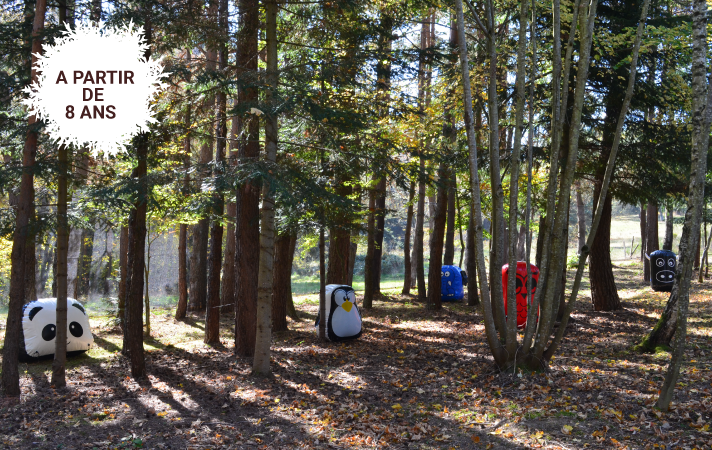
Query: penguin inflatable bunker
{"x":39,"y":329}
{"x":451,"y":284}
{"x":343,"y":319}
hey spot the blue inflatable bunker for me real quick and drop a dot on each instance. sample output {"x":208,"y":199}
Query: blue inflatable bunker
{"x":451,"y":284}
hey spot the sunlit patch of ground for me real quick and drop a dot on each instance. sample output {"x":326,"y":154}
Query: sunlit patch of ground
{"x":415,"y":379}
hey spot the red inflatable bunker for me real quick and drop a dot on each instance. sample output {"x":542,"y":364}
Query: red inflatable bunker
{"x":521,"y":289}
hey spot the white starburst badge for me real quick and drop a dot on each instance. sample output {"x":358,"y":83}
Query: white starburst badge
{"x":95,"y":88}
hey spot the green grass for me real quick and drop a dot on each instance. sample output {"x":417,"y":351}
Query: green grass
{"x":302,"y":285}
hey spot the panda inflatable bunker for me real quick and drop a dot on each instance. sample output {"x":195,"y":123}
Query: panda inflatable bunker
{"x":39,"y":329}
{"x":343,"y":318}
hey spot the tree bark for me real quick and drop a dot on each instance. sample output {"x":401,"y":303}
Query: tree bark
{"x":372,"y":263}
{"x":183,"y":233}
{"x":380,"y":226}
{"x":60,"y":349}
{"x":123,"y":273}
{"x":73,"y":261}
{"x":86,"y":254}
{"x":353,"y":248}
{"x":608,"y":171}
{"x":473,"y":298}
{"x":700,"y":120}
{"x":407,"y":273}
{"x":643,"y":226}
{"x":248,"y":197}
{"x":22,"y":237}
{"x":282,"y":280}
{"x":137,"y":245}
{"x":449,"y":254}
{"x":219,"y":11}
{"x":339,"y":242}
{"x":322,"y":286}
{"x":604,"y":293}
{"x":437,"y":236}
{"x":667,"y":243}
{"x":227,"y":301}
{"x":651,"y":235}
{"x":581,"y":215}
{"x":476,"y":204}
{"x":291,"y":311}
{"x":263,"y":337}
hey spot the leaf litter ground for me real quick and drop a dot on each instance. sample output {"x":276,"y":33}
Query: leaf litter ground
{"x":414,"y":380}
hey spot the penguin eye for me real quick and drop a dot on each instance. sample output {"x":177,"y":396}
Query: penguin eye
{"x":339,"y":297}
{"x":442,"y":274}
{"x":660,"y":262}
{"x":447,"y":273}
{"x":351,"y":296}
{"x":671,"y":262}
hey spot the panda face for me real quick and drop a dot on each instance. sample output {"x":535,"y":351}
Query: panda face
{"x":40,"y":330}
{"x":345,"y":299}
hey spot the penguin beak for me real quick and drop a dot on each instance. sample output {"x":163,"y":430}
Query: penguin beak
{"x":347,"y":306}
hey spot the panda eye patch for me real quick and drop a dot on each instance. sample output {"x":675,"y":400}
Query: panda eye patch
{"x":34,"y":311}
{"x":49,"y":332}
{"x":76,"y":329}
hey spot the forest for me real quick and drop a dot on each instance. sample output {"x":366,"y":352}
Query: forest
{"x":316,"y":239}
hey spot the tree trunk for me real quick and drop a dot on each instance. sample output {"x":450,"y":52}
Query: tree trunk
{"x":419,"y":241}
{"x":437,"y":236}
{"x":353,"y":248}
{"x":521,"y":243}
{"x":22,"y":237}
{"x":643,"y":226}
{"x":581,"y":214}
{"x":321,"y":331}
{"x":73,"y":259}
{"x":407,"y":273}
{"x":227,"y":301}
{"x":247,"y":236}
{"x":123,"y":273}
{"x":473,"y":298}
{"x":380,"y":226}
{"x":198,"y":265}
{"x":449,"y":255}
{"x":137,"y":245}
{"x":604,"y":293}
{"x":291,"y":311}
{"x":218,"y":9}
{"x":700,"y":120}
{"x":667,"y":243}
{"x":60,"y":345}
{"x":263,"y":337}
{"x":282,"y":280}
{"x":86,"y":254}
{"x":183,"y":233}
{"x":651,"y":235}
{"x":372,"y":263}
{"x":339,"y":242}
{"x":146,"y":297}
{"x":47,"y":257}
